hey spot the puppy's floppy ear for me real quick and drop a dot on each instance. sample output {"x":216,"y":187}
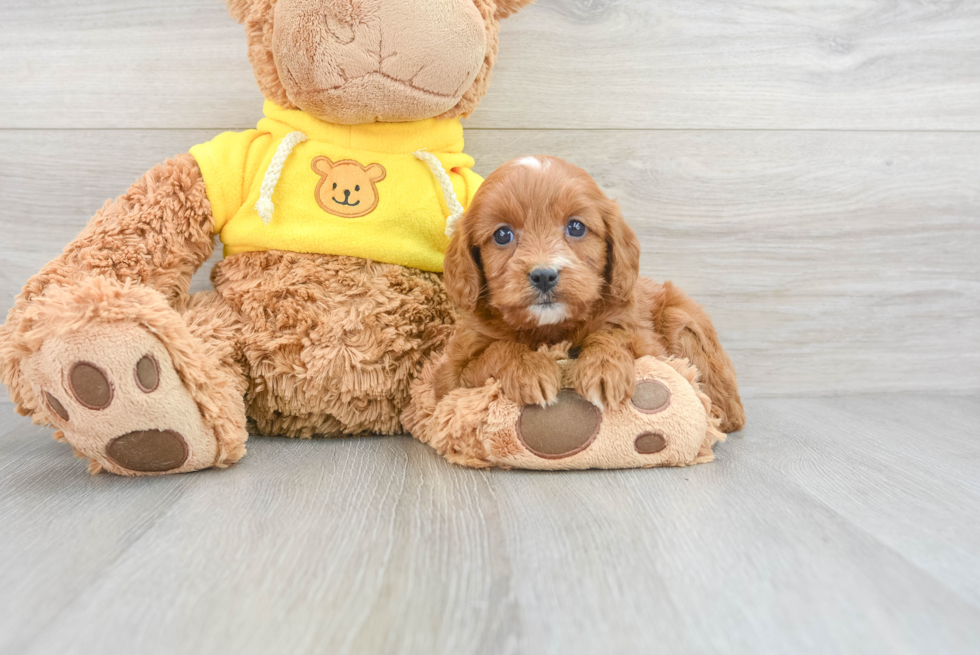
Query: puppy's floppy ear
{"x":461,"y":270}
{"x":507,"y":7}
{"x":622,"y":253}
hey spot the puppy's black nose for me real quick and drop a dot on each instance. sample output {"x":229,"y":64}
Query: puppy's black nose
{"x":544,"y":279}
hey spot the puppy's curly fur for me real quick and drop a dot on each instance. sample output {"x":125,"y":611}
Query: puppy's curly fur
{"x":543,"y":257}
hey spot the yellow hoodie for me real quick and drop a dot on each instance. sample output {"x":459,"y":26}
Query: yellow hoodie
{"x":300,"y":184}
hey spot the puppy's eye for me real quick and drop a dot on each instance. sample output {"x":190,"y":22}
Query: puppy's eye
{"x":575,"y":228}
{"x":357,"y":188}
{"x":503,"y":236}
{"x":335,"y":185}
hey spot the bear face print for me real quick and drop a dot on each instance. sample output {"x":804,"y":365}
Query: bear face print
{"x":346,"y":188}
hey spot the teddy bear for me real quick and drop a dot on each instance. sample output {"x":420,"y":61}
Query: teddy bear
{"x":332,"y":214}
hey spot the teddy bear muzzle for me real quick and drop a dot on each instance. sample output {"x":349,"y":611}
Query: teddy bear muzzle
{"x":378,"y":60}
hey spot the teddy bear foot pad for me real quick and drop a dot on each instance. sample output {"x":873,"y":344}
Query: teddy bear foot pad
{"x":668,"y":422}
{"x":114,"y":394}
{"x":572,"y":423}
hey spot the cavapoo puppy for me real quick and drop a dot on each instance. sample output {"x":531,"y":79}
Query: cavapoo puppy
{"x":543,"y":259}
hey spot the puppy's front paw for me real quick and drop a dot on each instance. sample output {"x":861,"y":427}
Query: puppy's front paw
{"x":607,"y":379}
{"x":534,"y":378}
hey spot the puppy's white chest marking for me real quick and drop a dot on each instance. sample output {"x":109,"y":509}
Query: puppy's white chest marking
{"x":549,"y":314}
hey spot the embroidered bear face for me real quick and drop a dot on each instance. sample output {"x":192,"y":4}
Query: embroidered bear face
{"x":347,"y":189}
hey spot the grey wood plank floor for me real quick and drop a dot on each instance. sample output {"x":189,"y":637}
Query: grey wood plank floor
{"x":829,"y":525}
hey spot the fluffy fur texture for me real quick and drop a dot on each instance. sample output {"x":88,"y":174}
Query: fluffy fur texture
{"x":327,"y":345}
{"x":543,"y":214}
{"x":387,"y":60}
{"x":157,"y":233}
{"x":96,"y":320}
{"x":317,"y":344}
{"x":303,"y":344}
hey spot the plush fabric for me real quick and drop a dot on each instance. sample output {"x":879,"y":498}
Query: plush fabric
{"x":111,"y":326}
{"x":378,"y":60}
{"x":353,"y":39}
{"x":307,"y":344}
{"x":386,"y":206}
{"x":324,"y":345}
{"x":158,"y":233}
{"x":106,"y":345}
{"x":480,"y":427}
{"x":313,"y":327}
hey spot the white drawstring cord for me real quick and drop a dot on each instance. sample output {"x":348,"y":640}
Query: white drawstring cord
{"x":452,"y":201}
{"x":264,"y":206}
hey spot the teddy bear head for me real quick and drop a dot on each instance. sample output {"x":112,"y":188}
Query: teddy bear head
{"x":364,"y":61}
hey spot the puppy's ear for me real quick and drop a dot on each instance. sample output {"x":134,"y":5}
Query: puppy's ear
{"x":461,"y":270}
{"x":507,"y":7}
{"x":622,"y":253}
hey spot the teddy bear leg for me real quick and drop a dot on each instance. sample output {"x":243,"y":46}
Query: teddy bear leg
{"x":117,"y":371}
{"x":666,"y":423}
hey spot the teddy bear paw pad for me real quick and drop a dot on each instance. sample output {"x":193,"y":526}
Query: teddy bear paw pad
{"x":650,"y":443}
{"x":115,"y":394}
{"x":559,"y":430}
{"x":665,"y":423}
{"x":149,"y":451}
{"x":651,"y":397}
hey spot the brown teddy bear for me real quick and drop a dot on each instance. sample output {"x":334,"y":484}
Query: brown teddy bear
{"x":332,"y":213}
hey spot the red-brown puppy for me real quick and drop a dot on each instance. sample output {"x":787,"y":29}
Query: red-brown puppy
{"x":543,"y":257}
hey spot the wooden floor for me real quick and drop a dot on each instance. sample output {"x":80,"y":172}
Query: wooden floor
{"x":838,"y":525}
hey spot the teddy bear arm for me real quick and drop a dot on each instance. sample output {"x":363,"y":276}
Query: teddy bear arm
{"x":156,"y":234}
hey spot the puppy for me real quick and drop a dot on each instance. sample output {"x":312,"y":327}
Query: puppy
{"x":543,"y":258}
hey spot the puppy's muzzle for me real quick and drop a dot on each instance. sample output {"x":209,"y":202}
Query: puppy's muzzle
{"x":543,"y":279}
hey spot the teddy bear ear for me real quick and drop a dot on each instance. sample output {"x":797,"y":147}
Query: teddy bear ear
{"x":322,"y":165}
{"x":507,"y":7}
{"x":376,"y":172}
{"x":239,"y":9}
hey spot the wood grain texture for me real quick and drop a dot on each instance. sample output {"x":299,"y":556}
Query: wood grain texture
{"x":831,"y":262}
{"x":781,"y":64}
{"x":827,"y":526}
